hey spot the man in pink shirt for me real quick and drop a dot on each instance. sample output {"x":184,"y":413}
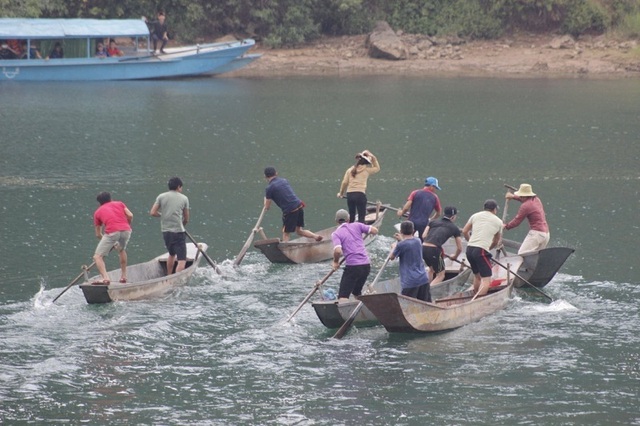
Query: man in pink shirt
{"x":538,"y":236}
{"x":112,"y":221}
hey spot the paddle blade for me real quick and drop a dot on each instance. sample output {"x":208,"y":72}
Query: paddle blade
{"x":349,"y":322}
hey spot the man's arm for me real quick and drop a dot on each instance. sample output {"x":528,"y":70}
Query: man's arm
{"x":99,"y":231}
{"x":466,"y":231}
{"x":404,"y":208}
{"x":496,"y":240}
{"x":155,"y":210}
{"x":129,"y":215}
{"x":185,"y":216}
{"x":267,"y":203}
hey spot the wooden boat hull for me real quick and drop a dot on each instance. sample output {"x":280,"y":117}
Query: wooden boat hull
{"x":333,"y":314}
{"x":538,"y":267}
{"x":146,"y":280}
{"x":401,"y":314}
{"x":305,"y":250}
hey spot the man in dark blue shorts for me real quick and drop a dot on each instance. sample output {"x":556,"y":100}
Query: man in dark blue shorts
{"x":280,"y":192}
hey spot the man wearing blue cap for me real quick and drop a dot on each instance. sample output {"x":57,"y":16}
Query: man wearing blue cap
{"x":423,"y":205}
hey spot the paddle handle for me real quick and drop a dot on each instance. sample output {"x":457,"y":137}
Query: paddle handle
{"x":313,"y":290}
{"x":206,"y":256}
{"x":84,"y":270}
{"x":244,"y":249}
{"x":524,"y":280}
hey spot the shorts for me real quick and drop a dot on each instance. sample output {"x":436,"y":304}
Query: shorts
{"x":480,"y":261}
{"x":432,"y":256}
{"x":109,"y":240}
{"x":421,"y":292}
{"x":175,"y":243}
{"x":353,"y":279}
{"x":293,"y":220}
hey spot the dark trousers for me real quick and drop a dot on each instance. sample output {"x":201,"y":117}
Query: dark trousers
{"x":353,"y":279}
{"x":357,"y":201}
{"x":421,"y":292}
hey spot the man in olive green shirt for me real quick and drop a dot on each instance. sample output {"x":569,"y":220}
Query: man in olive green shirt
{"x":172,"y":207}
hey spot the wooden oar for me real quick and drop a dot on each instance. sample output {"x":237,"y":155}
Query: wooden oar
{"x":85,"y":268}
{"x":461,"y":263}
{"x":244,"y":249}
{"x":313,"y":290}
{"x":206,"y":256}
{"x":521,"y":278}
{"x":504,"y":214}
{"x":386,"y":206}
{"x":347,"y":324}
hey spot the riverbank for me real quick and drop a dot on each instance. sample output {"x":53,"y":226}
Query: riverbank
{"x":517,"y":56}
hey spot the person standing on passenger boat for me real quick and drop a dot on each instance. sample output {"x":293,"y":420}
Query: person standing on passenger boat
{"x":348,"y":241}
{"x":413,"y":276}
{"x":538,"y":236}
{"x":112,"y":222}
{"x":434,"y":236}
{"x":423,"y":205}
{"x":483,"y":233}
{"x":159,"y":32}
{"x":354,"y":184}
{"x":172,"y":207}
{"x":279,"y":191}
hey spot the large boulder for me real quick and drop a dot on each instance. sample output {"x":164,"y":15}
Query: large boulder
{"x":384,"y":43}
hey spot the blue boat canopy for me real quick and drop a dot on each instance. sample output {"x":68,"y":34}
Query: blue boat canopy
{"x":21,"y":28}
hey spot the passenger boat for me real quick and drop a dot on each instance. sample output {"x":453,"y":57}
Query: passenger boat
{"x":401,"y":314}
{"x":79,"y":38}
{"x":144,"y":280}
{"x":307,"y":250}
{"x":333,"y":314}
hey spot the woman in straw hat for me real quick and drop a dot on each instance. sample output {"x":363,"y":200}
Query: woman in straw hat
{"x":354,"y":184}
{"x":538,"y":236}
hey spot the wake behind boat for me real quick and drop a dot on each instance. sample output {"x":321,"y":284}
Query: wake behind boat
{"x":79,"y":38}
{"x":402,"y":314}
{"x":145,"y":280}
{"x":307,"y":250}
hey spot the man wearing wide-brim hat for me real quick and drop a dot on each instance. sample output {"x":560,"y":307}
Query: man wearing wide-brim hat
{"x":538,"y":236}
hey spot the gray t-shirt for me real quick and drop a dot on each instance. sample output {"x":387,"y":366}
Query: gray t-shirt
{"x":171,"y":207}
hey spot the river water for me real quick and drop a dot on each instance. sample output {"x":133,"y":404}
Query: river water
{"x":219,"y":350}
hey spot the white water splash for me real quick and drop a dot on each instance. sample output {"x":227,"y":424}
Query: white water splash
{"x":555,"y":306}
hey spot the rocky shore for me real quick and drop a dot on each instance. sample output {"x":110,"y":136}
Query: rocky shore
{"x":520,"y":56}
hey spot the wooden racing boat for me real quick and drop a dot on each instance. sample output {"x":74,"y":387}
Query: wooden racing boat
{"x":307,"y":250}
{"x":333,"y":314}
{"x":401,"y":314}
{"x":538,"y":267}
{"x":145,"y":280}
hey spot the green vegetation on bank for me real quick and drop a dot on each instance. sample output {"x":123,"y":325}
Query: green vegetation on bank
{"x":290,"y":22}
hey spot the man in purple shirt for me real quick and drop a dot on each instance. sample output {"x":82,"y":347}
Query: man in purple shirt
{"x":348,"y":241}
{"x":538,"y":236}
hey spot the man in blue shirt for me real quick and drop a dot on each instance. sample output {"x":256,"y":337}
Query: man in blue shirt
{"x":413,"y":276}
{"x":280,"y":192}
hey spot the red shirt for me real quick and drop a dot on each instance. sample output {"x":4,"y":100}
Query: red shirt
{"x":112,"y":216}
{"x":532,"y":210}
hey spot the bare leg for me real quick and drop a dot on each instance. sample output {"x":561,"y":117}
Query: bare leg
{"x":305,"y":233}
{"x":438,"y":278}
{"x":477,"y":280}
{"x":285,"y":236}
{"x":181,"y":265}
{"x":123,"y":264}
{"x":101,"y":266}
{"x":484,"y":286}
{"x":171,"y":260}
